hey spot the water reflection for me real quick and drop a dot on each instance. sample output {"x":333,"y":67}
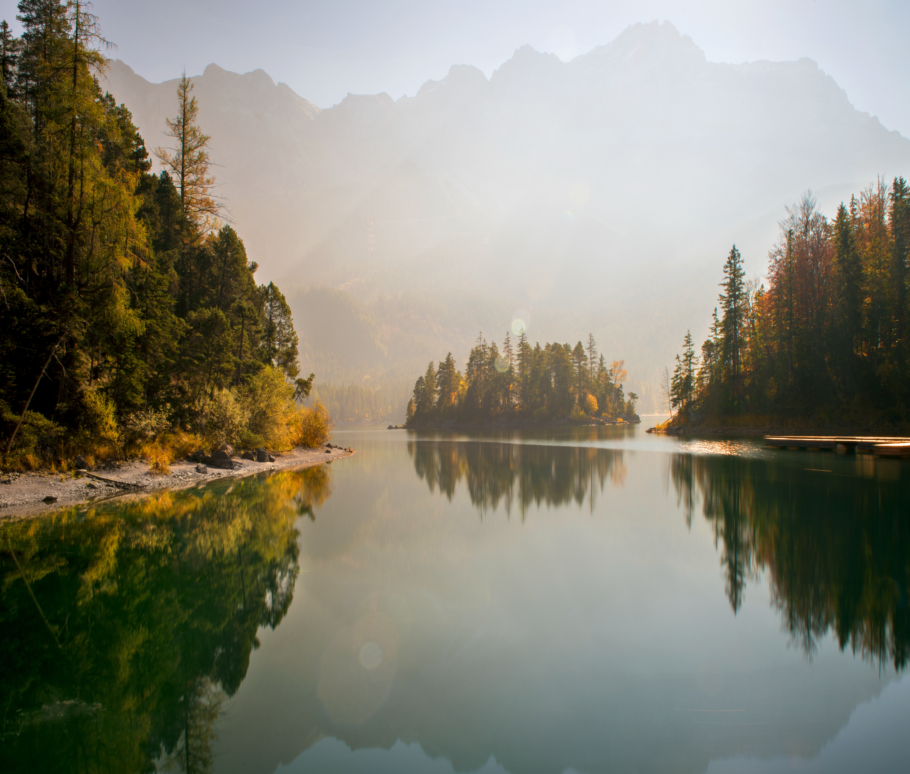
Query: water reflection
{"x":123,"y":629}
{"x":834,"y":541}
{"x":519,"y":475}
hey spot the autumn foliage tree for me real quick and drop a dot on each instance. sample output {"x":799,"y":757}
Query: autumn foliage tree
{"x":827,"y":335}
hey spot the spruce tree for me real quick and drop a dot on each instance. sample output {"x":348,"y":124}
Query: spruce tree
{"x":732,"y":302}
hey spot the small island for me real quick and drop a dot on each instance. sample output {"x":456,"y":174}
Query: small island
{"x":521,"y":385}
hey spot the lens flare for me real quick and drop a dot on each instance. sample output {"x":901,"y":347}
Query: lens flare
{"x":521,"y":321}
{"x":501,"y":364}
{"x":370,"y":655}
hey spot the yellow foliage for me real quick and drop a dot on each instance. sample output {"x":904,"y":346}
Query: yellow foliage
{"x":590,"y":405}
{"x":313,"y":426}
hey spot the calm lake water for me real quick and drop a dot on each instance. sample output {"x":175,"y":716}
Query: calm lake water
{"x":581,"y":600}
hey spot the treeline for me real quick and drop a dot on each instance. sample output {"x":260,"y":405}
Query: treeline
{"x":828,"y":338}
{"x":129,"y":309}
{"x":539,"y":384}
{"x":365,"y":402}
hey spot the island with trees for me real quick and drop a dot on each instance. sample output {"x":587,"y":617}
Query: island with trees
{"x":131,"y":322}
{"x":522,"y":385}
{"x":826,"y":343}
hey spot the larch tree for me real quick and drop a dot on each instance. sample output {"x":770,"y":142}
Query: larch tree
{"x":188,"y":161}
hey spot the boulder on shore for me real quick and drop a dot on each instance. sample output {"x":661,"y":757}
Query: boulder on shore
{"x":219,"y":459}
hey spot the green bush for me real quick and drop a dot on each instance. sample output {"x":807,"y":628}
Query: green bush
{"x":36,"y":435}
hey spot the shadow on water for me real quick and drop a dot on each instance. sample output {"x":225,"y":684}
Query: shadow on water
{"x":834,"y":544}
{"x":123,"y":629}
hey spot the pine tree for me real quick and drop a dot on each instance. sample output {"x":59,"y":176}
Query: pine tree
{"x":426,"y":405}
{"x":278,"y":337}
{"x":899,"y":222}
{"x":689,"y":367}
{"x":592,"y":358}
{"x":448,"y":382}
{"x":9,"y":58}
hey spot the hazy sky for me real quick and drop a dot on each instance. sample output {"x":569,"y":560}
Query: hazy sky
{"x":326,"y":49}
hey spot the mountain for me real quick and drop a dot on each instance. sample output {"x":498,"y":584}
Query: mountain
{"x":600,"y":194}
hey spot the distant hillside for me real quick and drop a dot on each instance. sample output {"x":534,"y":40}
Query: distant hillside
{"x":599,"y":194}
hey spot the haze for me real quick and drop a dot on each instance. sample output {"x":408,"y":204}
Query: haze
{"x":575,"y":163}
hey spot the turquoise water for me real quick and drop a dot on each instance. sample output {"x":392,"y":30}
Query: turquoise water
{"x":582,"y":600}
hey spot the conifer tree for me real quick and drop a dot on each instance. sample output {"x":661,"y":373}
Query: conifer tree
{"x":188,"y":161}
{"x":9,"y":58}
{"x":733,"y":303}
{"x":279,"y":339}
{"x":592,"y":358}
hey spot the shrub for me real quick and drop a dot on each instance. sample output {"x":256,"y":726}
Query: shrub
{"x":98,"y":417}
{"x":36,"y":437}
{"x":146,"y":424}
{"x":313,"y":426}
{"x":223,"y":417}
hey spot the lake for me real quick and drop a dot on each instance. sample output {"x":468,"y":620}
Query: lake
{"x":572,"y":600}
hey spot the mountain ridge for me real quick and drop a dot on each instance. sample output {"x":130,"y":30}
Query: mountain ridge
{"x":635,"y":160}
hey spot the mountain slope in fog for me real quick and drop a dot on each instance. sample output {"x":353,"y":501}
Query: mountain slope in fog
{"x":601,"y":194}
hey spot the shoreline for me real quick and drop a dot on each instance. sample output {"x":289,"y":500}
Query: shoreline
{"x":519,"y":424}
{"x":23,"y":495}
{"x":739,"y":431}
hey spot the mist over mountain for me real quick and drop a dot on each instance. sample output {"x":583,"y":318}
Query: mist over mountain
{"x":596,"y":195}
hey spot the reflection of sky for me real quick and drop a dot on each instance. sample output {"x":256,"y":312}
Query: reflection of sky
{"x":332,"y":755}
{"x":591,"y":637}
{"x":874,"y":741}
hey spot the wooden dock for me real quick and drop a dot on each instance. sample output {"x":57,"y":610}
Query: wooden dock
{"x":880,"y":446}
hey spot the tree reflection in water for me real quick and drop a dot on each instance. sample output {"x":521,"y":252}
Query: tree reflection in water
{"x":123,"y":628}
{"x":519,"y":475}
{"x":835,"y":545}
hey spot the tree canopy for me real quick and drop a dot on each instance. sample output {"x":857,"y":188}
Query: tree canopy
{"x":542,"y":384}
{"x":120,"y":290}
{"x":826,"y":336}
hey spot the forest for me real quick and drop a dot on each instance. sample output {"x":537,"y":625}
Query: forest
{"x":826,"y":339}
{"x":130,"y":316}
{"x":556,"y":382}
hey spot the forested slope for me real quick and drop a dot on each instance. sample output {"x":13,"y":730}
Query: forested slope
{"x":129,"y":310}
{"x":826,"y":340}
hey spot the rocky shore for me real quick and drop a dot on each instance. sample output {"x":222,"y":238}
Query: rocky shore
{"x":29,"y":494}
